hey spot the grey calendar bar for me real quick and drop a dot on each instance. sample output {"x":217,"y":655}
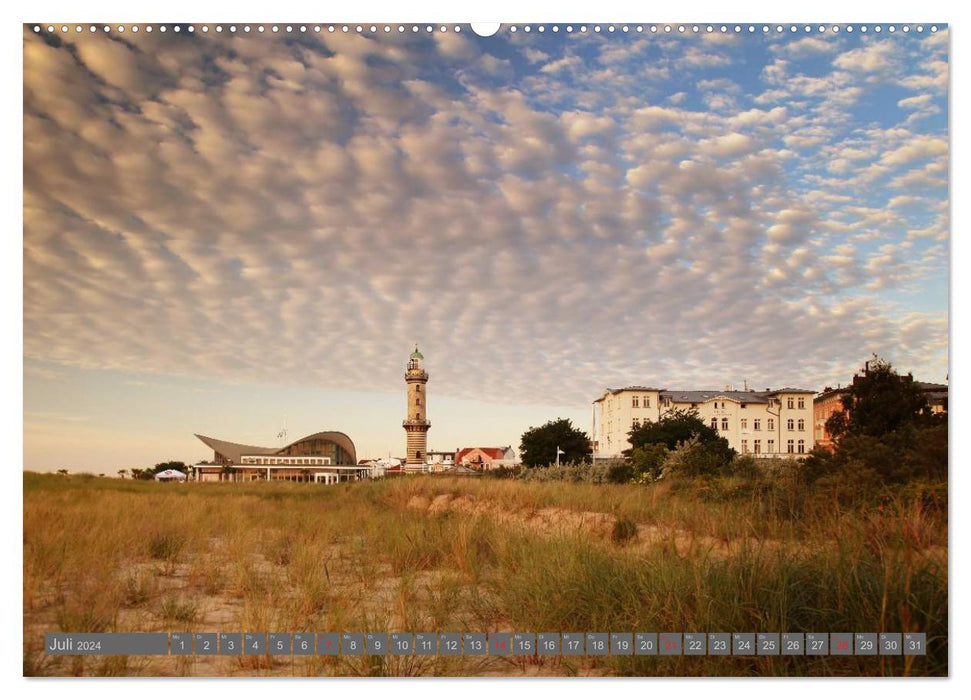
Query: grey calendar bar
{"x":489,"y":644}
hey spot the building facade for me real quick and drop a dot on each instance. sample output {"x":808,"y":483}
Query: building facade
{"x":486,"y":457}
{"x":416,"y":423}
{"x":326,"y":457}
{"x":437,"y":461}
{"x":770,"y":423}
{"x":828,"y":402}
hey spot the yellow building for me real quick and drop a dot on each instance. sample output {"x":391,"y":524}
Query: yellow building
{"x":770,"y":423}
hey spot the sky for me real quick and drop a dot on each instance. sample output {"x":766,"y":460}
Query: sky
{"x":230,"y":235}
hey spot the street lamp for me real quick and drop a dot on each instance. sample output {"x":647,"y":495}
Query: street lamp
{"x":558,"y":453}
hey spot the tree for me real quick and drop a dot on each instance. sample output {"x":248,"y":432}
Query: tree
{"x":122,"y":473}
{"x":538,"y":445}
{"x":62,"y":472}
{"x":673,"y":428}
{"x":709,"y":453}
{"x":878,"y":402}
{"x":162,"y":466}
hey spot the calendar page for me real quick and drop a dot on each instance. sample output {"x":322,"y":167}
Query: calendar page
{"x":525,"y":349}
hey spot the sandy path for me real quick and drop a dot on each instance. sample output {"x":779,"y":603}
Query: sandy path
{"x":553,"y":521}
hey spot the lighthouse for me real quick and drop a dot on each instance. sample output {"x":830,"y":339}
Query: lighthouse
{"x":416,"y":424}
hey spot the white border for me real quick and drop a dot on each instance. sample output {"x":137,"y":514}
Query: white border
{"x":605,"y":11}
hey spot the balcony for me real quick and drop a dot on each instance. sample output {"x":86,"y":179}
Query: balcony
{"x":416,"y":423}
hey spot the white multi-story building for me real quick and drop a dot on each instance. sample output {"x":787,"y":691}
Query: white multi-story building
{"x":770,"y":423}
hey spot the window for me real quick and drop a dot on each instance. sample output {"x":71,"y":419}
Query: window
{"x":647,"y":402}
{"x":770,"y":424}
{"x":724,"y":424}
{"x":742,"y":405}
{"x":791,"y":424}
{"x":802,"y":447}
{"x":802,"y":402}
{"x":757,"y":424}
{"x":636,"y":402}
{"x":418,"y":401}
{"x":770,"y":446}
{"x":744,"y":423}
{"x":745,"y":446}
{"x":635,"y":424}
{"x":714,"y":424}
{"x":802,"y":425}
{"x":758,"y":446}
{"x":790,"y":403}
{"x":790,"y":446}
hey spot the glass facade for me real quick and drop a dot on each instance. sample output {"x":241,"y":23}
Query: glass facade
{"x":319,"y":448}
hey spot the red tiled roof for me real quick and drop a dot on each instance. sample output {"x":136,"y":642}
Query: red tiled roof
{"x":492,"y":452}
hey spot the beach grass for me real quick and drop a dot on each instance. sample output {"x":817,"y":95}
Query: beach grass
{"x":429,"y":554}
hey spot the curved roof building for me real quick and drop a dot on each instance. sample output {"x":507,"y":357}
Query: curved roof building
{"x":335,"y":446}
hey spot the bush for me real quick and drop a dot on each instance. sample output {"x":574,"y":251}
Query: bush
{"x":503,"y":472}
{"x":584,"y":472}
{"x":692,"y":459}
{"x":624,"y":530}
{"x":620,"y":473}
{"x":909,"y":453}
{"x":746,"y":467}
{"x":647,"y":462}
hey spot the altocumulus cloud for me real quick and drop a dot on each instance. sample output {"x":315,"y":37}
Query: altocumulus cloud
{"x":547,"y":215}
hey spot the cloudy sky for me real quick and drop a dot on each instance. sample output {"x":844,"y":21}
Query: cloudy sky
{"x":232,"y":234}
